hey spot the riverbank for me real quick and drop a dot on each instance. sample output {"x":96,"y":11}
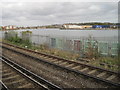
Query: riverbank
{"x":66,"y":29}
{"x":88,"y":29}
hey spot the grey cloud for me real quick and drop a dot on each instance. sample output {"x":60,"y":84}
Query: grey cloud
{"x":57,"y":12}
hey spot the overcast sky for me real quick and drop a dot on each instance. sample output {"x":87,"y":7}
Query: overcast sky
{"x":45,"y":13}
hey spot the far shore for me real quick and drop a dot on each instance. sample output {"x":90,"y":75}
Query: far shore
{"x":66,"y":29}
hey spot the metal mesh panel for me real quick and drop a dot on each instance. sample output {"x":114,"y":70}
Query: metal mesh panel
{"x":77,"y":44}
{"x":103,"y":48}
{"x":59,"y":43}
{"x":53,"y":42}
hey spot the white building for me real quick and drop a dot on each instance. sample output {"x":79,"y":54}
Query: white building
{"x":77,"y":26}
{"x":10,"y":27}
{"x":72,"y":26}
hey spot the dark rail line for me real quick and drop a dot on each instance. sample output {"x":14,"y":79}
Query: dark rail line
{"x":72,"y":66}
{"x":59,"y":58}
{"x":4,"y":87}
{"x":33,"y":77}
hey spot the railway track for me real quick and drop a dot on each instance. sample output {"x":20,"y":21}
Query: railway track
{"x":15,"y":76}
{"x":98,"y":74}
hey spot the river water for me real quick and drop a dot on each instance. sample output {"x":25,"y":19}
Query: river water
{"x":102,"y":35}
{"x":82,"y":33}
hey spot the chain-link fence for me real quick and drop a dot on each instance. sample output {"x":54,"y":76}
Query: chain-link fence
{"x":107,"y":46}
{"x":85,"y":46}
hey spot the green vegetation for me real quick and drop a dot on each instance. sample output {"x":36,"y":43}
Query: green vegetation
{"x":97,"y":59}
{"x":63,"y":54}
{"x":109,"y":60}
{"x":12,"y":37}
{"x":91,"y":51}
{"x":91,"y":54}
{"x":26,"y":32}
{"x":110,"y":63}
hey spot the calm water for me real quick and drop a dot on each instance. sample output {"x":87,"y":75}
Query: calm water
{"x":98,"y":34}
{"x":82,"y":33}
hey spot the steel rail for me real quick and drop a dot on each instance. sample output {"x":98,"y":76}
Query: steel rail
{"x":59,"y":58}
{"x":33,"y":77}
{"x":67,"y":68}
{"x":4,"y":87}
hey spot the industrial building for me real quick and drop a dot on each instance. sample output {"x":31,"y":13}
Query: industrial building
{"x":10,"y":27}
{"x":72,"y":26}
{"x":101,"y":26}
{"x":68,"y":26}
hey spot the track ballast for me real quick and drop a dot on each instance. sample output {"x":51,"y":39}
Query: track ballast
{"x":99,"y":74}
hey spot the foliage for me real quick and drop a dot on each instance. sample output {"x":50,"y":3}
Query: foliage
{"x":63,"y":54}
{"x":92,"y":49}
{"x":109,"y":60}
{"x":94,"y":23}
{"x":13,"y":38}
{"x":26,"y":32}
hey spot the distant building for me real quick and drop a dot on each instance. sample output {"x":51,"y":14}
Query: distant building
{"x":71,"y":26}
{"x":68,"y":26}
{"x":86,"y":26}
{"x":97,"y":26}
{"x":101,"y":26}
{"x":10,"y":27}
{"x":7,"y":27}
{"x":114,"y":26}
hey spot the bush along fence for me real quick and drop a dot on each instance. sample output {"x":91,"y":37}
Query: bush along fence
{"x":24,"y":40}
{"x":89,"y":47}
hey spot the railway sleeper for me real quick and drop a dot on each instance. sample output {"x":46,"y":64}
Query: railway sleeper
{"x":6,"y":70}
{"x":101,"y":74}
{"x":19,"y":84}
{"x":45,"y":57}
{"x":84,"y":69}
{"x":15,"y":82}
{"x":58,"y":62}
{"x":111,"y":77}
{"x":25,"y":85}
{"x":54,"y":61}
{"x":70,"y":65}
{"x":7,"y":74}
{"x":76,"y":67}
{"x":11,"y":77}
{"x":64,"y":63}
{"x":50,"y":59}
{"x":92,"y":72}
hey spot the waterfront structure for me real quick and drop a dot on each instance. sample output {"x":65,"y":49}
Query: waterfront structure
{"x":114,"y":26}
{"x":10,"y":27}
{"x":72,"y":26}
{"x":101,"y":26}
{"x":68,"y":26}
{"x":86,"y":26}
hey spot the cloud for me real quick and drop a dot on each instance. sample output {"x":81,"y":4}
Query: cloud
{"x":42,"y":13}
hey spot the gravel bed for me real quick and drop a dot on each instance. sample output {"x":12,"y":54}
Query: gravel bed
{"x":19,"y":77}
{"x":57,"y":76}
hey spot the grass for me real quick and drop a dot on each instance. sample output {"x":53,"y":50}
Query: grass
{"x":108,"y":61}
{"x":56,"y":52}
{"x":73,"y":56}
{"x":47,"y":50}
